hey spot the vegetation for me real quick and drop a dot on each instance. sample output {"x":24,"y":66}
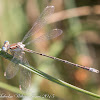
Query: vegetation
{"x":79,"y":43}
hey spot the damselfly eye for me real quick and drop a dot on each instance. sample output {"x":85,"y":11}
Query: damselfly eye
{"x":4,"y":48}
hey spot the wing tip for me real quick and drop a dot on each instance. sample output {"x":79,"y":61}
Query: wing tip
{"x":59,"y":30}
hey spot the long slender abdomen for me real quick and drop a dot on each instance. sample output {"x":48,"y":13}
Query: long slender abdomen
{"x":65,"y":61}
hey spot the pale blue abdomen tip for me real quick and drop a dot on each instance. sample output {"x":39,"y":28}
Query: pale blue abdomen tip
{"x":94,"y":70}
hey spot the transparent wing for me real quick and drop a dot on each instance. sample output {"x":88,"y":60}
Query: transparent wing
{"x":52,"y":34}
{"x":25,"y":75}
{"x":12,"y":68}
{"x":40,"y":22}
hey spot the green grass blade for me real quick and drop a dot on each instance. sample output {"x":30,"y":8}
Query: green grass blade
{"x":12,"y":88}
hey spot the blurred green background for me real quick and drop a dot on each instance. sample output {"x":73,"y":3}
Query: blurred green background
{"x":79,"y":43}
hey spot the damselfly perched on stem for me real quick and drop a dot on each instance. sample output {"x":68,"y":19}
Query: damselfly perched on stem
{"x":18,"y":49}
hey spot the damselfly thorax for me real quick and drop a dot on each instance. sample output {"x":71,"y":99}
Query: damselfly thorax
{"x":16,"y":47}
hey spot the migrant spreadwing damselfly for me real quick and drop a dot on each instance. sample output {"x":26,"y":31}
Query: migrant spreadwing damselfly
{"x":18,"y":49}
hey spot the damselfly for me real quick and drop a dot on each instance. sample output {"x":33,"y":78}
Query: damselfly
{"x":17,"y":49}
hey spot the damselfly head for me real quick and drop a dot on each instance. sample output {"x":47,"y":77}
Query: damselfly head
{"x":6,"y":43}
{"x":5,"y":46}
